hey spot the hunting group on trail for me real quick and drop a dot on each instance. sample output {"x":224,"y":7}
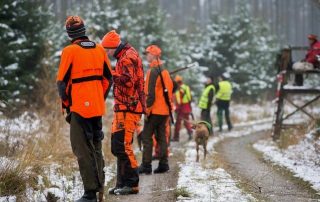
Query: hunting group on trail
{"x":84,"y":79}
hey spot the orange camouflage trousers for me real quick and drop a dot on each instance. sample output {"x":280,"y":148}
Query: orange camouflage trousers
{"x":123,"y":126}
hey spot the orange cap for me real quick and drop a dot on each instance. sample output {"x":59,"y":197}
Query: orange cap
{"x":111,"y":40}
{"x":154,"y":50}
{"x":178,"y":78}
{"x":312,"y":36}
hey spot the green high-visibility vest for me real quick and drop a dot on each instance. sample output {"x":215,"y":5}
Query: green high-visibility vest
{"x":186,"y":94}
{"x":203,"y":102}
{"x":225,"y":91}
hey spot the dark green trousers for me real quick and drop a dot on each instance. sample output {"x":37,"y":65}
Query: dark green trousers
{"x":86,"y":136}
{"x":223,"y":106}
{"x":156,"y":124}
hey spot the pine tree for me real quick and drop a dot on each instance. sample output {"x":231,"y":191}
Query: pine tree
{"x":141,"y":23}
{"x":239,"y":45}
{"x":21,"y":23}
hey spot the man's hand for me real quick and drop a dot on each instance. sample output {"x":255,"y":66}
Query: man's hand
{"x":146,"y":116}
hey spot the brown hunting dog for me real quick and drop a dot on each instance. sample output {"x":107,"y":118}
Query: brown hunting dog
{"x":202,"y":133}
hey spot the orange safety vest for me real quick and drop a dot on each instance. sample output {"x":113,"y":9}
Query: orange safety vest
{"x":159,"y":105}
{"x":86,"y":71}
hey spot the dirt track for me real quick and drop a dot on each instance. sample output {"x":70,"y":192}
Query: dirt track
{"x":262,"y":179}
{"x":157,"y":187}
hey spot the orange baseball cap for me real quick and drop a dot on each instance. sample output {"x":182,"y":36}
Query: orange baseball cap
{"x":178,"y":78}
{"x":154,"y":50}
{"x":111,"y":40}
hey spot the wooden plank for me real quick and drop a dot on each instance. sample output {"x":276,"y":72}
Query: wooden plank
{"x":313,"y":71}
{"x":301,"y":91}
{"x":299,"y":48}
{"x":303,"y":106}
{"x":300,"y":108}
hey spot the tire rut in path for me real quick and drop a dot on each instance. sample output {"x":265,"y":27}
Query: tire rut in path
{"x":240,"y":159}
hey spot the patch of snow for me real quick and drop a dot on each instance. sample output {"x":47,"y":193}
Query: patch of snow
{"x":301,"y":159}
{"x":6,"y":163}
{"x":13,"y":66}
{"x":4,"y":26}
{"x":27,"y":122}
{"x":66,"y":188}
{"x":8,"y":199}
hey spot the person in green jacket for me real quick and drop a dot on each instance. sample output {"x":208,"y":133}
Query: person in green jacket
{"x":205,"y":101}
{"x":223,"y":97}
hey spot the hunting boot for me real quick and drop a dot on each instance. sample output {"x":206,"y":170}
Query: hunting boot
{"x":162,"y":168}
{"x":88,"y":196}
{"x":127,"y":190}
{"x":145,"y":168}
{"x":112,"y":190}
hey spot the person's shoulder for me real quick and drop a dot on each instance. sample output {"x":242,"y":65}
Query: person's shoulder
{"x":69,"y":49}
{"x":99,"y":46}
{"x":132,"y":54}
{"x":317,"y":45}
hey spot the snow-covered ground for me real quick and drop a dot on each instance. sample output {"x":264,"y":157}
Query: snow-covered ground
{"x":66,"y":188}
{"x":205,"y":183}
{"x":18,"y":130}
{"x":302,"y":159}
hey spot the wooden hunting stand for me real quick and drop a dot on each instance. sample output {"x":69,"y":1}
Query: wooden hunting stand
{"x":284,"y":64}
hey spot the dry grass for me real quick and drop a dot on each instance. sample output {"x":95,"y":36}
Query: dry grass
{"x":182,"y":192}
{"x":292,"y":136}
{"x":13,"y":179}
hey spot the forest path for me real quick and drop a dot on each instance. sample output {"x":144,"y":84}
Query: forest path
{"x":264,"y":180}
{"x":158,"y":187}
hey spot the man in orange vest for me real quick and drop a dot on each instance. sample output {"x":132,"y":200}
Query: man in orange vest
{"x":157,"y":81}
{"x":183,"y":108}
{"x":83,"y":80}
{"x":129,"y":105}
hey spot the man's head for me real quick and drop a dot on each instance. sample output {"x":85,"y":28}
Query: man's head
{"x":179,"y":79}
{"x":111,"y":41}
{"x":209,"y":80}
{"x":224,"y":76}
{"x":153,"y":52}
{"x":75,"y":27}
{"x":312,"y":39}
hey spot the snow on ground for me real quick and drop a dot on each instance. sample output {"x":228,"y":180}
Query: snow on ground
{"x":17,"y":131}
{"x":26,"y":122}
{"x":8,"y":199}
{"x":66,"y":188}
{"x":207,"y":184}
{"x":246,"y":112}
{"x":302,"y":159}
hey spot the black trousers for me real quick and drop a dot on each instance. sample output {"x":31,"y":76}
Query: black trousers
{"x":156,"y":124}
{"x":86,"y":141}
{"x":223,"y":106}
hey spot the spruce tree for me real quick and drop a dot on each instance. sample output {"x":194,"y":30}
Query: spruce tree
{"x":21,"y":23}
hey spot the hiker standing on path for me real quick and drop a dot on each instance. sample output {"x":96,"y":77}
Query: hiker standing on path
{"x":83,"y":90}
{"x":129,"y":105}
{"x":224,"y":91}
{"x":183,"y":108}
{"x":206,"y":100}
{"x":158,"y":82}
